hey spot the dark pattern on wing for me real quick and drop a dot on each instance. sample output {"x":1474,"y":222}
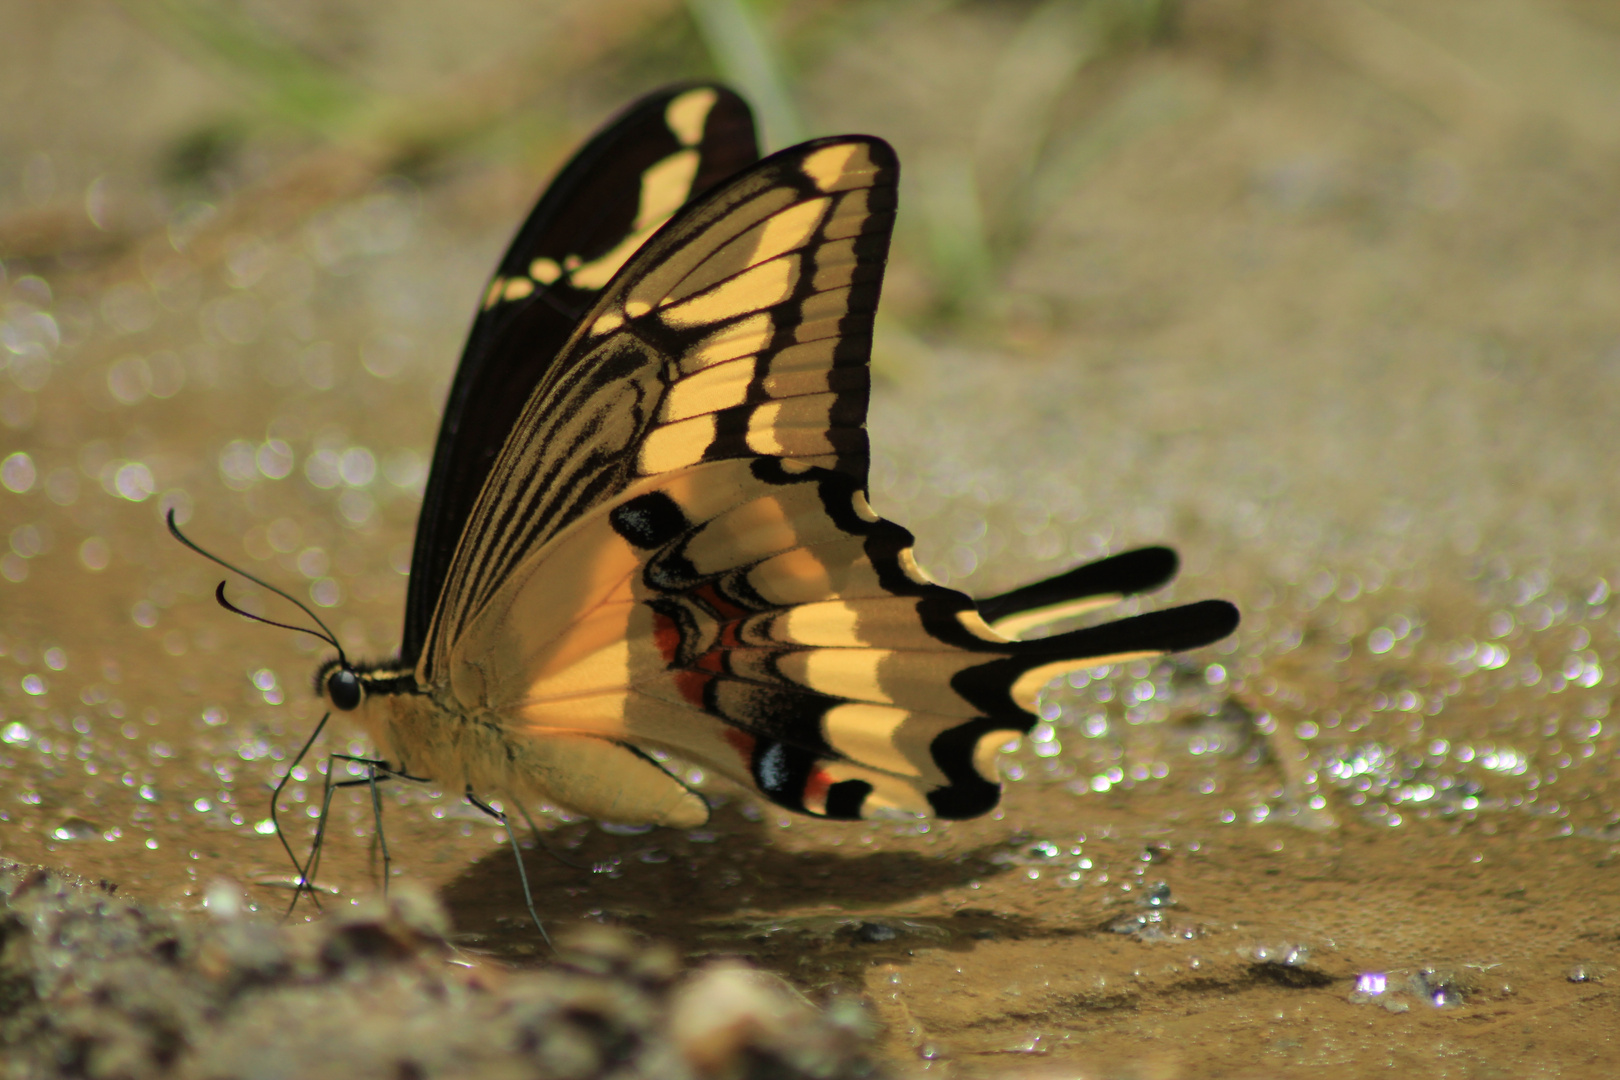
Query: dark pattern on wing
{"x":742,"y":329}
{"x":698,"y":135}
{"x":1125,"y":574}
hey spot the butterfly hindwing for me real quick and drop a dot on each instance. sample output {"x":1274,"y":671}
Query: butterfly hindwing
{"x":641,"y":168}
{"x":755,"y":616}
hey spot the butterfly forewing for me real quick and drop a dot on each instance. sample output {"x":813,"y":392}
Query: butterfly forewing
{"x":726,"y":336}
{"x":639,"y":170}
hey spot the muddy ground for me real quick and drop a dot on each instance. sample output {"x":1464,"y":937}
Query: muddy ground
{"x":1322,"y":295}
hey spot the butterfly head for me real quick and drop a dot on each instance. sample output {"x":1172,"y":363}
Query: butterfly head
{"x":349,"y":687}
{"x":340,"y":684}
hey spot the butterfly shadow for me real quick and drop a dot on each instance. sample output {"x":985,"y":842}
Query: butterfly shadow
{"x":729,"y":890}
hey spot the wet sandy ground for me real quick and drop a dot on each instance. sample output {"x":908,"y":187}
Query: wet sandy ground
{"x":1324,"y":298}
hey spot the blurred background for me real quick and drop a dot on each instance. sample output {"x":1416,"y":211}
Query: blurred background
{"x":1325,"y":295}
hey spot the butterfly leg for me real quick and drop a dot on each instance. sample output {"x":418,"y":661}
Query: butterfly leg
{"x":540,"y":842}
{"x":524,"y":810}
{"x":376,"y":771}
{"x":306,"y":872}
{"x":312,"y":864}
{"x":376,"y":816}
{"x":304,"y":885}
{"x":517,"y":853}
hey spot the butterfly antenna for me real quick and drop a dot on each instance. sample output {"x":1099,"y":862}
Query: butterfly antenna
{"x":325,"y":633}
{"x":219,"y":594}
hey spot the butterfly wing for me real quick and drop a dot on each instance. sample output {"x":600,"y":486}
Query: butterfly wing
{"x":675,"y":551}
{"x":645,"y":164}
{"x":1083,"y":589}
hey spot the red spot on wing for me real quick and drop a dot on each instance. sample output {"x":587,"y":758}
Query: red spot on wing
{"x":691,"y":685}
{"x":742,"y":742}
{"x":667,"y":636}
{"x":718,"y":604}
{"x":815,"y":790}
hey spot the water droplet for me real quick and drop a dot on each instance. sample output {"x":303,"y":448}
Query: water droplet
{"x":95,"y":554}
{"x":274,"y":459}
{"x":1372,"y":983}
{"x":134,"y":481}
{"x":223,"y":899}
{"x":17,"y":473}
{"x":357,"y":466}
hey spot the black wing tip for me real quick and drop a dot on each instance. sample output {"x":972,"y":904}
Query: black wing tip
{"x":1177,"y":629}
{"x":1129,"y":573}
{"x":965,"y":799}
{"x":883,"y":155}
{"x":1150,"y":567}
{"x":655,"y":100}
{"x":1199,"y":624}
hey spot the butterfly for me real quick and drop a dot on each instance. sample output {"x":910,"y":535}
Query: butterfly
{"x":646,"y":531}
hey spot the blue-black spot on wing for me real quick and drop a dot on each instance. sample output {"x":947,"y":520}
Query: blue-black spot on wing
{"x":649,"y":521}
{"x":783,"y":772}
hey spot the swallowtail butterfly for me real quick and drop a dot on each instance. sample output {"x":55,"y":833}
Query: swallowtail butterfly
{"x":646,"y":529}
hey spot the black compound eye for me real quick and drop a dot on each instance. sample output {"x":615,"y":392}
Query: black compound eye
{"x":343,"y":687}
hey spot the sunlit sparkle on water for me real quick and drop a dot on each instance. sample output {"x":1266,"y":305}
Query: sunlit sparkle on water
{"x":281,"y":405}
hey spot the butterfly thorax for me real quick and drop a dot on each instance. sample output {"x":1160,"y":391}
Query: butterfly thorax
{"x":418,"y":732}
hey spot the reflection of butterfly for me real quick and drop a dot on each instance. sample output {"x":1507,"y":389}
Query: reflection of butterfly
{"x":646,"y":530}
